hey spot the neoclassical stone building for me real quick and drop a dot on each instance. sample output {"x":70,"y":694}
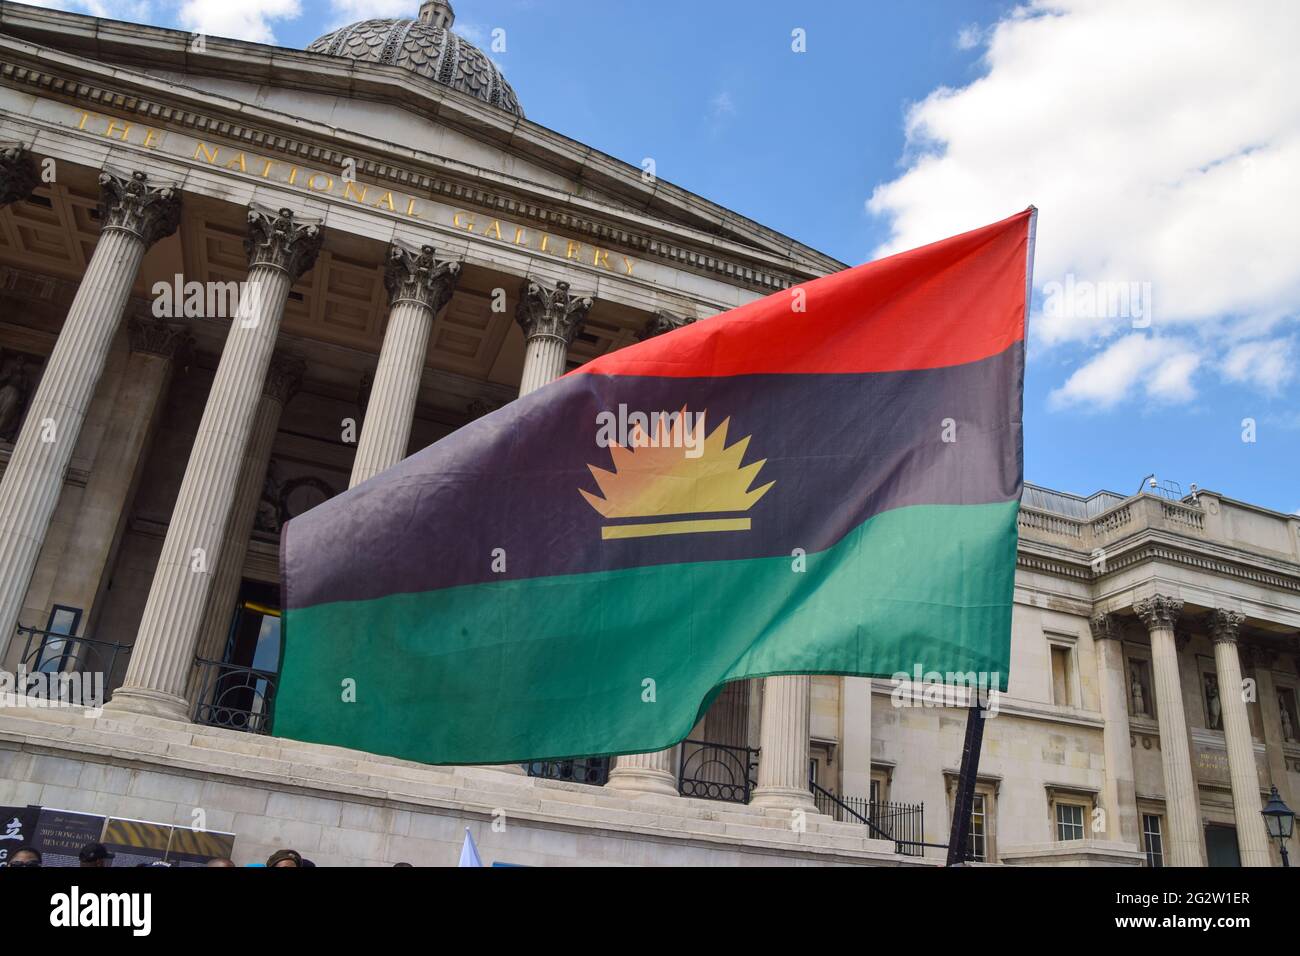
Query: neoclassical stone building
{"x":236,"y":280}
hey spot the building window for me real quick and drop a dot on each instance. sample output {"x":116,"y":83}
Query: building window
{"x":59,"y":650}
{"x":1152,"y":840}
{"x":1062,"y":676}
{"x":982,"y":839}
{"x":1069,"y":821}
{"x":979,"y":829}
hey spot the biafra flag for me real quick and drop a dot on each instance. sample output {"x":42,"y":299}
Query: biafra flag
{"x":823,"y":481}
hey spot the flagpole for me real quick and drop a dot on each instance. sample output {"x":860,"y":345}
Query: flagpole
{"x":959,"y":838}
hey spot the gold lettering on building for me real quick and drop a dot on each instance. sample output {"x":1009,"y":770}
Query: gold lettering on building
{"x":494,"y":229}
{"x":240,"y":163}
{"x":329,"y":183}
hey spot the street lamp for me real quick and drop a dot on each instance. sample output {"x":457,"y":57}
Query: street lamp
{"x":1280,"y":820}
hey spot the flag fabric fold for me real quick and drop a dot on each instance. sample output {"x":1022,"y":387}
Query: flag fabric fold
{"x":824,"y":481}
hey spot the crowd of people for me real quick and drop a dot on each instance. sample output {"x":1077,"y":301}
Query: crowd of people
{"x":98,"y":855}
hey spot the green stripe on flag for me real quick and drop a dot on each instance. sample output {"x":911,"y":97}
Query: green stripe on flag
{"x":552,"y":667}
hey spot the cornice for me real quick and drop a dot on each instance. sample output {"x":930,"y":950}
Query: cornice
{"x":1154,"y":545}
{"x":102,"y":87}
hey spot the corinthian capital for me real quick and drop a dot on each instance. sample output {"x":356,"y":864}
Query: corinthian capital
{"x":278,"y":240}
{"x":661,"y":323}
{"x":283,"y":377}
{"x":1159,"y":611}
{"x":130,"y":204}
{"x":1224,"y":626}
{"x":419,"y":277}
{"x":556,"y":313}
{"x":17,"y":174}
{"x":1105,"y":627}
{"x":156,"y":337}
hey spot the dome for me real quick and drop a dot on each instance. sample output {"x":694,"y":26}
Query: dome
{"x":428,"y":47}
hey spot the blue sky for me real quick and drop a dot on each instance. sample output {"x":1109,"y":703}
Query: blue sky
{"x":1159,"y":142}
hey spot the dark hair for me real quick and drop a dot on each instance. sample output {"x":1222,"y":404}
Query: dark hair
{"x":27,"y":848}
{"x":279,"y":856}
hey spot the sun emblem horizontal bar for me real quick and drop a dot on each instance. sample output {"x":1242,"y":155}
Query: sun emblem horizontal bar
{"x":673,"y":527}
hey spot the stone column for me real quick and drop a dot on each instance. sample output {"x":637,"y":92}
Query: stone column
{"x":783,"y":744}
{"x":855,"y":734}
{"x":17,"y":174}
{"x":419,"y":285}
{"x":280,"y":249}
{"x":282,"y":381}
{"x":652,"y":772}
{"x":1119,"y":795}
{"x":646,"y":773}
{"x":1252,"y":838}
{"x":1182,"y":798}
{"x":550,"y":320}
{"x":84,"y":571}
{"x":133,"y":216}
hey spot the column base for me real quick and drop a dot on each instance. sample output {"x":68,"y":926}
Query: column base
{"x":783,"y":798}
{"x":642,"y":780}
{"x":151,"y":703}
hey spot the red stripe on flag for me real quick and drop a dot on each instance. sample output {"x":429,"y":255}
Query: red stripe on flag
{"x":951,"y":302}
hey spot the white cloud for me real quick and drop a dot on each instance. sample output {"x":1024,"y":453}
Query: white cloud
{"x":344,"y":12}
{"x":1266,"y":365}
{"x":237,"y":19}
{"x":134,"y":11}
{"x":1161,"y":367}
{"x":969,"y":37}
{"x":1160,"y":141}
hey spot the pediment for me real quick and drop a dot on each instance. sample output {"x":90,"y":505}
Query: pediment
{"x":393,"y":117}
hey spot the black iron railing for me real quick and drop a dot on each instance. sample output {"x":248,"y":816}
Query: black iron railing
{"x":234,"y":697}
{"x":48,"y":653}
{"x":903,"y":823}
{"x":590,"y":770}
{"x":712,"y":771}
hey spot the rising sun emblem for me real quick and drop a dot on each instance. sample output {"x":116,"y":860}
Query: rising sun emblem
{"x":656,"y":476}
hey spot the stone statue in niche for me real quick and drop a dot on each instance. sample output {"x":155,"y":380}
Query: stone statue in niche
{"x":268,"y":508}
{"x":1135,"y":691}
{"x":1288,"y":728}
{"x":1213,"y":708}
{"x":15,"y":391}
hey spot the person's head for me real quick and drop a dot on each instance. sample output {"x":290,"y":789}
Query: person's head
{"x":95,"y":854}
{"x":220,"y":861}
{"x":25,"y":856}
{"x":284,"y":858}
{"x":404,"y":865}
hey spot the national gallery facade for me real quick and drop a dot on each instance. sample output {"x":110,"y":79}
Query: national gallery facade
{"x":236,"y":280}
